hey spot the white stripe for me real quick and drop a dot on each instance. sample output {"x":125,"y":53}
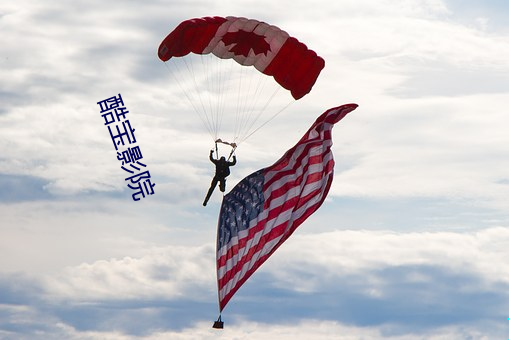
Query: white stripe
{"x":279,"y":219}
{"x":273,"y":35}
{"x":242,"y":252}
{"x":265,"y":250}
{"x":295,"y":171}
{"x":234,"y":240}
{"x":316,"y":150}
{"x":315,"y":168}
{"x":288,"y":215}
{"x":247,"y":266}
{"x":292,"y":192}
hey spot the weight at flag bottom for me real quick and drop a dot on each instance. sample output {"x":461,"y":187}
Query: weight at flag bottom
{"x":265,"y":208}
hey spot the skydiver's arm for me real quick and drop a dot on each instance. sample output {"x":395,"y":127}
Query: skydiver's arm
{"x":210,"y":156}
{"x":234,"y":161}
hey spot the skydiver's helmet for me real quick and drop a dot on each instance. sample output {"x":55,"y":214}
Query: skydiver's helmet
{"x":222,"y":159}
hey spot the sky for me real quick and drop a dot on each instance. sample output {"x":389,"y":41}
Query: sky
{"x":411,"y":243}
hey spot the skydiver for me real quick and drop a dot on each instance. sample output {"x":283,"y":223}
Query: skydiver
{"x":222,"y":171}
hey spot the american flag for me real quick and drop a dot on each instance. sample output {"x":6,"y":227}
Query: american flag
{"x":266,"y":207}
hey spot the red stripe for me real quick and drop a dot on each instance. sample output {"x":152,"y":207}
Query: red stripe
{"x":319,"y":127}
{"x":226,"y":298}
{"x":260,"y":226}
{"x":246,"y":258}
{"x":277,"y":167}
{"x":273,"y":213}
{"x":312,"y":159}
{"x":241,"y":243}
{"x":298,"y":181}
{"x":275,"y":232}
{"x":241,"y":281}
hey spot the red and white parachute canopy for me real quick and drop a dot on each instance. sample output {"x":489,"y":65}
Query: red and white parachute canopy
{"x":248,"y":42}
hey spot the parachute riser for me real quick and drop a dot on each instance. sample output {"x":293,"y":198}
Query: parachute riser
{"x":231,"y":153}
{"x":233,"y":145}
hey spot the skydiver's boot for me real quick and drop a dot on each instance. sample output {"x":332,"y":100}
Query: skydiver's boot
{"x":209,"y":193}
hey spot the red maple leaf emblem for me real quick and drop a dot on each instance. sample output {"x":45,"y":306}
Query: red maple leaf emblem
{"x":246,"y":41}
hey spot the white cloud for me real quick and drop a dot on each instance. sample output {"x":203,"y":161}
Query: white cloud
{"x":45,"y":237}
{"x":162,"y":273}
{"x":437,"y":274}
{"x":306,"y":329}
{"x":307,"y":263}
{"x":339,"y":253}
{"x":445,"y":147}
{"x":318,"y":329}
{"x":386,"y":50}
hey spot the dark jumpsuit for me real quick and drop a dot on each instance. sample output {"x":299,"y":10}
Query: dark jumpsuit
{"x":222,"y":171}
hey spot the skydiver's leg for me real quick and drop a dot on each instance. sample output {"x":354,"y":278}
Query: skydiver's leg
{"x":211,"y":190}
{"x":222,"y":184}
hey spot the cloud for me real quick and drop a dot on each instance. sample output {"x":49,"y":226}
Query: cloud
{"x":315,"y":329}
{"x":305,"y":329}
{"x":477,"y":253}
{"x":412,"y":281}
{"x":377,"y":283}
{"x":449,"y":157}
{"x":409,"y":245}
{"x":19,"y":188}
{"x":167,"y":273}
{"x":84,"y":229}
{"x":388,"y":54}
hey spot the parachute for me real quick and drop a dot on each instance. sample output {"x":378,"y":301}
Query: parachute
{"x":199,"y":54}
{"x":238,"y":74}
